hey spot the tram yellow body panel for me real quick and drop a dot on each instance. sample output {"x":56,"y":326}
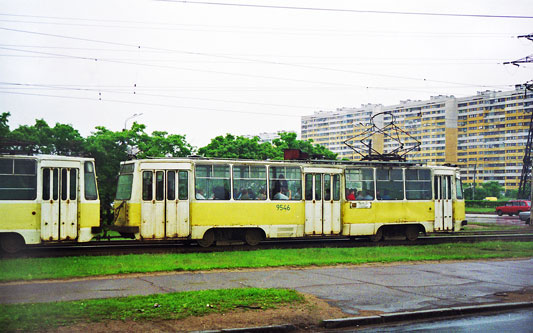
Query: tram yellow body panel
{"x":17,"y":216}
{"x":389,"y":212}
{"x":89,"y":215}
{"x":459,"y":211}
{"x":222,"y":213}
{"x":133,"y":218}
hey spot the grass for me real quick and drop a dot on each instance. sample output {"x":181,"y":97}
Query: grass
{"x":69,"y":267}
{"x":42,"y":316}
{"x":478,"y":226}
{"x":477,"y":210}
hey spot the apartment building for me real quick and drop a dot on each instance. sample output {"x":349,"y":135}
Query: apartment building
{"x":485,"y":134}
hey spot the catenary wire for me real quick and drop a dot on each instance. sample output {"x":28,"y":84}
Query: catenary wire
{"x":234,"y":58}
{"x":347,"y":10}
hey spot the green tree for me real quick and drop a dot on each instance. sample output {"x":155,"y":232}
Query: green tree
{"x":479,"y":194}
{"x":289,"y":141}
{"x":4,"y":126}
{"x":493,"y":189}
{"x":230,"y":146}
{"x":62,"y":139}
{"x":109,"y":148}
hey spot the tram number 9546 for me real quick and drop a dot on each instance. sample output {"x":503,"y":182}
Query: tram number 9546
{"x":283,"y":207}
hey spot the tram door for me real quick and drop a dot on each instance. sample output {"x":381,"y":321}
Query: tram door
{"x":443,"y":202}
{"x":59,"y":207}
{"x":322,"y":204}
{"x":165,"y":204}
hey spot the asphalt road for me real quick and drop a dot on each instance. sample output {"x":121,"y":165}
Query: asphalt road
{"x":516,"y":321}
{"x":493,"y":218}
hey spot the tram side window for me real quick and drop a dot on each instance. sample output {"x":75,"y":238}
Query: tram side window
{"x":389,"y":184}
{"x":249,"y":182}
{"x":285,"y":183}
{"x":336,"y":187}
{"x":418,"y":184}
{"x":90,"y":182}
{"x":458,"y":188}
{"x":183,"y":186}
{"x":360,"y":184}
{"x":124,"y":186}
{"x":213,"y":182}
{"x":147,"y":185}
{"x":159,"y":185}
{"x":18,"y":179}
{"x":125,"y":182}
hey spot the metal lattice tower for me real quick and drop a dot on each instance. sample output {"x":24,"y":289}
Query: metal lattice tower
{"x":525,"y":176}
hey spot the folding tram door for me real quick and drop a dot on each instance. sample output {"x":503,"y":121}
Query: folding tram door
{"x":165,"y":204}
{"x":59,"y":206}
{"x":322,"y":201}
{"x":443,"y":201}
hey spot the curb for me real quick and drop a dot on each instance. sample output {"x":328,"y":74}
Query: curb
{"x":422,"y":314}
{"x":260,"y":329}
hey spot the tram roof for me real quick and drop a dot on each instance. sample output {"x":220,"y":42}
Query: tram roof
{"x":301,"y":162}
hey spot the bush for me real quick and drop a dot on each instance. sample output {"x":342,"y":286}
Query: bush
{"x":484,"y":203}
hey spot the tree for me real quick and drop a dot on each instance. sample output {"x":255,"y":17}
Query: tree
{"x":493,"y":189}
{"x":109,"y":148}
{"x":230,"y":146}
{"x":62,"y":139}
{"x":479,"y":194}
{"x":4,"y":127}
{"x":483,"y":190}
{"x":240,"y":147}
{"x":289,"y":141}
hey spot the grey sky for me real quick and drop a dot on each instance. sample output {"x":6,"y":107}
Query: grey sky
{"x":206,"y":70}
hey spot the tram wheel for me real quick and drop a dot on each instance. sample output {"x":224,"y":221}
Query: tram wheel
{"x":208,"y":239}
{"x":377,"y":237}
{"x":253,"y":237}
{"x":411,"y":232}
{"x":11,"y":243}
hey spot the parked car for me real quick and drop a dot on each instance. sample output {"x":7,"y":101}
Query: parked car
{"x":525,"y":216}
{"x":514,"y":207}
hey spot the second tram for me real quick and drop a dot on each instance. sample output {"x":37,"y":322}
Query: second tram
{"x":209,"y":200}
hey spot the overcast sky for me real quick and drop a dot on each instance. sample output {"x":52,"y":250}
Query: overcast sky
{"x":208,"y":69}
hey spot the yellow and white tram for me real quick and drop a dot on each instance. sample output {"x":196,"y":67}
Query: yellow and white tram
{"x":208,"y":200}
{"x":47,"y":199}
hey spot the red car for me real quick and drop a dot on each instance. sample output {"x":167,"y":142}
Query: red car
{"x":514,"y":207}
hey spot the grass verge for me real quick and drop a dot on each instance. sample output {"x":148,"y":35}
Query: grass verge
{"x":69,"y":267}
{"x":42,"y":316}
{"x":478,"y":210}
{"x":478,"y":226}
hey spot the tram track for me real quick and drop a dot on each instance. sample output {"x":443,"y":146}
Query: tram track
{"x":123,"y":247}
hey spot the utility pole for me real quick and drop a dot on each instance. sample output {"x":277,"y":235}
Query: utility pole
{"x":474,"y":183}
{"x":525,"y":176}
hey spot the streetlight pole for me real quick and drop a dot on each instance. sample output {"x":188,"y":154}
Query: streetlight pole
{"x":129,"y":118}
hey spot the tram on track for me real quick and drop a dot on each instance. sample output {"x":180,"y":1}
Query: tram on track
{"x":209,"y":200}
{"x":47,"y":199}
